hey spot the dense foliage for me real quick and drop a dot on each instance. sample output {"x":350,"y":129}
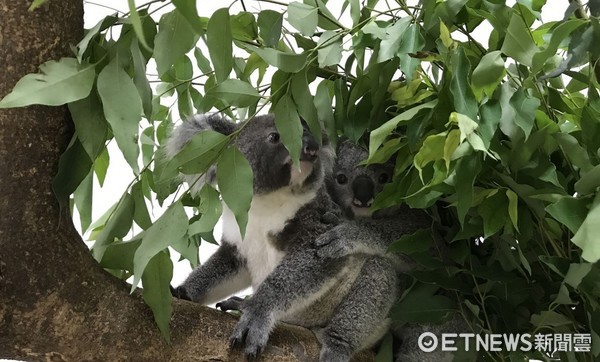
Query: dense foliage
{"x":498,"y":139}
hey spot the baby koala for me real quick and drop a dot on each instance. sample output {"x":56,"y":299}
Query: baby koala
{"x":353,"y":187}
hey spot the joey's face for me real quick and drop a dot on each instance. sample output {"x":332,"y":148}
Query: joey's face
{"x":354,"y":186}
{"x":271,"y":163}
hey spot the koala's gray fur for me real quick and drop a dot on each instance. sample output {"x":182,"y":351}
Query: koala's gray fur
{"x":344,"y":288}
{"x":285,"y":214}
{"x":372,"y":233}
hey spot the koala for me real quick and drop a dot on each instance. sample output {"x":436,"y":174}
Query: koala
{"x":286,"y":211}
{"x":339,"y":286}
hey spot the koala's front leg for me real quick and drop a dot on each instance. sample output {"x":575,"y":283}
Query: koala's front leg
{"x":223,"y":274}
{"x":297,"y":280}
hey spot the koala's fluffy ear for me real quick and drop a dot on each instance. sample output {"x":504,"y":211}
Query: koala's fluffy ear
{"x":198,"y":123}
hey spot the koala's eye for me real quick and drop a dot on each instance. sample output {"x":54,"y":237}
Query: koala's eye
{"x":384,"y":178}
{"x":341,"y":179}
{"x":273,"y":137}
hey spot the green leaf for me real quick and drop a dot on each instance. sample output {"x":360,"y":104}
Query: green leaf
{"x":518,"y":43}
{"x":576,"y":154}
{"x":211,"y":209}
{"x":391,"y":43}
{"x":140,"y":80}
{"x":306,"y":106}
{"x":235,"y":180}
{"x":118,"y":225}
{"x":431,"y":150}
{"x":587,"y":235}
{"x":174,"y":39}
{"x":269,"y":27}
{"x":289,"y":126}
{"x":303,"y":17}
{"x":140,"y":215}
{"x":243,"y":27}
{"x":329,"y":49}
{"x":493,"y":211}
{"x":218,"y":40}
{"x":513,"y":203}
{"x":464,"y":99}
{"x":569,"y":211}
{"x":589,"y":181}
{"x":123,"y":110}
{"x":560,"y":33}
{"x":172,"y":225}
{"x":323,"y":103}
{"x":36,"y":4}
{"x":188,"y":9}
{"x":420,"y":305}
{"x":386,"y":349}
{"x":488,"y":74}
{"x":235,"y":92}
{"x":91,"y":33}
{"x":525,"y":107}
{"x":287,"y":62}
{"x":417,"y":242}
{"x":411,"y":42}
{"x":120,"y":255}
{"x":576,"y":273}
{"x":549,"y":319}
{"x":380,"y":134}
{"x":90,"y":125}
{"x":136,"y":22}
{"x":450,"y":145}
{"x":196,"y":156}
{"x":467,"y":170}
{"x":83,"y":201}
{"x":73,"y":167}
{"x":58,"y":83}
{"x":157,"y":294}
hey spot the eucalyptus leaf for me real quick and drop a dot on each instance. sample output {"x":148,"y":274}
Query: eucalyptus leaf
{"x":59,"y":82}
{"x":172,"y":225}
{"x":123,"y":110}
{"x":235,"y":180}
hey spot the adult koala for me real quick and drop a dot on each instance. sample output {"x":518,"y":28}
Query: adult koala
{"x":286,"y":211}
{"x":342,"y":286}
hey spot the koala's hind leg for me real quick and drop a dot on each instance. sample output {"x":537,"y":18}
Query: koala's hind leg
{"x":223,"y":274}
{"x":361,"y":319}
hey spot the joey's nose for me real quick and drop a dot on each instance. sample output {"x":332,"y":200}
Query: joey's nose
{"x":364,"y":191}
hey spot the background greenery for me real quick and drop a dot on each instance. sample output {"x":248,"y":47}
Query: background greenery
{"x":500,"y":141}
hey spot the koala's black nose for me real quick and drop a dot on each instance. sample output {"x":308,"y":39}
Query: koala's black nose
{"x":364,"y":191}
{"x":310,"y":147}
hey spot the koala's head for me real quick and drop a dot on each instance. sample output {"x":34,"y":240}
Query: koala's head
{"x":271,"y":163}
{"x":354,"y":186}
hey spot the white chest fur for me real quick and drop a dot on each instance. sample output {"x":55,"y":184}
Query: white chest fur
{"x":268,"y":215}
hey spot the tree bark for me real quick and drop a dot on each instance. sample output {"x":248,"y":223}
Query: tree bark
{"x":56,"y":303}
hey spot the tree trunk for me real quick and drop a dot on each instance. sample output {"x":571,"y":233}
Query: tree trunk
{"x":56,"y":303}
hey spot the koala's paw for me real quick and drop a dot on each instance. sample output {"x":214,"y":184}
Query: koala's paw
{"x":233,"y":303}
{"x":252,"y":333}
{"x":332,"y":245}
{"x":179,"y":292}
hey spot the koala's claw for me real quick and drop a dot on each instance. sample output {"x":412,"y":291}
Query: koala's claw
{"x":253,"y":334}
{"x":179,"y":292}
{"x":233,"y":303}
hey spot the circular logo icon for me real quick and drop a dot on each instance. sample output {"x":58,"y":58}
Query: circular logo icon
{"x":428,"y":342}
